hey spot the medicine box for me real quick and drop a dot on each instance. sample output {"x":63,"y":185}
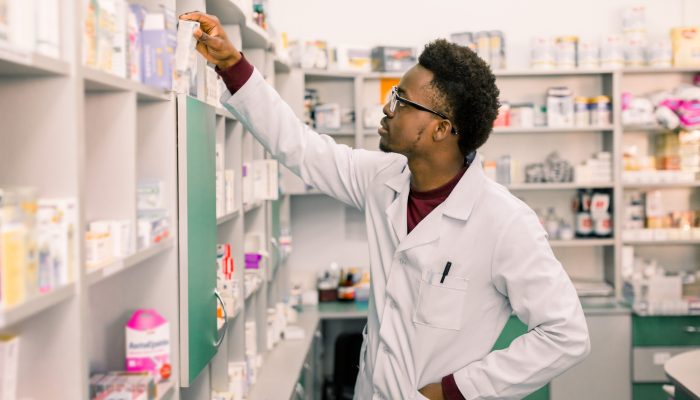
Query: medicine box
{"x":392,"y":58}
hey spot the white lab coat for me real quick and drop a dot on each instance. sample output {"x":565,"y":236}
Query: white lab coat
{"x":419,"y":330}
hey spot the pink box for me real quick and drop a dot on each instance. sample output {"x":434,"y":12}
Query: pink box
{"x":148,"y":344}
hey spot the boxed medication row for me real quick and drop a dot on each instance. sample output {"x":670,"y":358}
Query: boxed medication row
{"x":28,"y":26}
{"x":38,"y":246}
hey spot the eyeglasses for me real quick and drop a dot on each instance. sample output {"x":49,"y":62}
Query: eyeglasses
{"x":395,"y":99}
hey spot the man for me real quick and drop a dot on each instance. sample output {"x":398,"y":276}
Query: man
{"x":452,"y":254}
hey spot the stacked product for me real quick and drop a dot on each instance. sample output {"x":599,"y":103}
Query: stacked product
{"x":489,"y":45}
{"x":310,"y":54}
{"x":276,"y":324}
{"x":555,"y":226}
{"x":676,"y":160}
{"x":122,"y":385}
{"x":106,"y":240}
{"x":631,"y":48}
{"x":225,"y":184}
{"x":260,"y":181}
{"x":594,"y":211}
{"x":651,"y":289}
{"x":30,"y":26}
{"x":9,"y":365}
{"x":597,"y":169}
{"x":130,"y":41}
{"x":561,"y":110}
{"x":647,"y":219}
{"x":667,"y":109}
{"x":147,"y":361}
{"x":225,"y":284}
{"x":253,"y":359}
{"x":38,"y":246}
{"x":153,"y":217}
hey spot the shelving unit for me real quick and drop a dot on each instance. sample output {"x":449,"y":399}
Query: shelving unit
{"x":30,"y":65}
{"x":100,"y":81}
{"x":591,"y":129}
{"x":38,"y":304}
{"x":357,"y":90}
{"x":114,"y":133}
{"x":99,"y":273}
{"x":558,"y":186}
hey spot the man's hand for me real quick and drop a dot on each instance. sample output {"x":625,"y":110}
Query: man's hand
{"x":432,"y":391}
{"x":212,"y":41}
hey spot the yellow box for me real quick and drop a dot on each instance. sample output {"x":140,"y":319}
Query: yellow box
{"x":13,"y":260}
{"x":686,"y":46}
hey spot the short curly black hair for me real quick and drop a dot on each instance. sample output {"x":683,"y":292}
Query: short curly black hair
{"x":466,"y":90}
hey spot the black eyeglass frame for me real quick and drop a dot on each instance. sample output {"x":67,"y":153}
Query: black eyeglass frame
{"x":395,"y":98}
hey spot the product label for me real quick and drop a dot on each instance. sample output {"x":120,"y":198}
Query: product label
{"x":148,"y":345}
{"x":584,"y":224}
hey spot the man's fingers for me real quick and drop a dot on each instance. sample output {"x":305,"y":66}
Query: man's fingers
{"x":198,"y":33}
{"x":191,"y":16}
{"x":207,"y":22}
{"x":202,"y":49}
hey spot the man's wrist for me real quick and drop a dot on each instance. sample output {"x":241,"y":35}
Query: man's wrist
{"x":229,"y":62}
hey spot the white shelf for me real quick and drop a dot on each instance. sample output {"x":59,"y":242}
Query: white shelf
{"x":525,"y":73}
{"x":257,"y":287}
{"x":228,"y":11}
{"x":558,"y":186}
{"x":281,"y":66}
{"x":166,"y":389}
{"x":225,"y":113}
{"x":662,"y":185}
{"x":12,"y":315}
{"x":663,"y":70}
{"x":100,"y":81}
{"x":645,"y":128}
{"x":19,"y":64}
{"x":382,"y":75}
{"x":545,"y":129}
{"x":667,"y":242}
{"x":582,"y":243}
{"x":329,"y":74}
{"x":100,"y":273}
{"x":253,"y":206}
{"x":228,"y":217}
{"x":236,"y":312}
{"x":254,"y":36}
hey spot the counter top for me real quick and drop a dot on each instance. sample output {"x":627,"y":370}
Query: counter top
{"x":282,"y":365}
{"x":683,"y":372}
{"x":358,"y":310}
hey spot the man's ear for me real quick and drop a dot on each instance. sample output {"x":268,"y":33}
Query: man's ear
{"x":442,"y":130}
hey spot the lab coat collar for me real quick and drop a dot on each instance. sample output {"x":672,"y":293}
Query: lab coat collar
{"x":458,"y":205}
{"x":460,"y":202}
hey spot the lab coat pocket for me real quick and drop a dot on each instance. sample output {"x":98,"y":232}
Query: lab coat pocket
{"x":441,"y":305}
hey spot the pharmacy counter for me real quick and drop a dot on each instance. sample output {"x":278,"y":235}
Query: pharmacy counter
{"x":683,"y":372}
{"x":358,"y":310}
{"x":282,"y":366}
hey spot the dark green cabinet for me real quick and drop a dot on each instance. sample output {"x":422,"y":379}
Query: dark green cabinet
{"x":197,"y":236}
{"x":514,"y":328}
{"x":659,"y":337}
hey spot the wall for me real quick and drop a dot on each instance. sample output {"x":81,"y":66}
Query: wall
{"x":415,"y":22}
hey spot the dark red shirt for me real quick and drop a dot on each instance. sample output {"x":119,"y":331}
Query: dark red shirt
{"x":420,"y":204}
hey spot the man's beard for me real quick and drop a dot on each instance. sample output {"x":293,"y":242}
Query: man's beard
{"x":384,"y":147}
